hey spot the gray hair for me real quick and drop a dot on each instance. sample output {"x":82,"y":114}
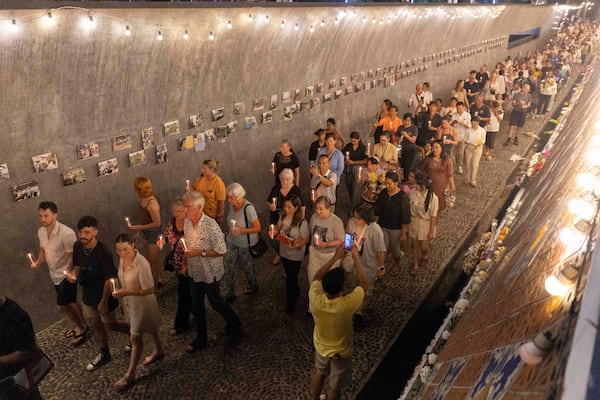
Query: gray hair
{"x":196,"y":198}
{"x":286,"y":173}
{"x":236,"y":190}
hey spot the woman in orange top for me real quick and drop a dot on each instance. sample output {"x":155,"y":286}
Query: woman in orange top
{"x":391,"y":123}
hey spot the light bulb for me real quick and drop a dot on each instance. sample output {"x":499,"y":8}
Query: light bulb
{"x":211,"y":36}
{"x":266,"y":19}
{"x":381,"y":21}
{"x":336,"y":21}
{"x":572,"y":238}
{"x":49,"y":19}
{"x":159,"y":37}
{"x":89,"y":23}
{"x":296,"y":27}
{"x":13,"y":26}
{"x":345,"y":13}
{"x":596,"y":140}
{"x":249,"y":17}
{"x":282,"y":24}
{"x":127,"y":31}
{"x":364,"y":19}
{"x":582,"y":209}
{"x":374,"y":20}
{"x":353,"y":13}
{"x":229,"y":25}
{"x":322,"y":22}
{"x":587,"y":181}
{"x":593,"y":156}
{"x":389,"y":20}
{"x":312,"y":29}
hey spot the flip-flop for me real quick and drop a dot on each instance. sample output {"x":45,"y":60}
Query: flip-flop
{"x":70,"y":333}
{"x":80,"y":339}
{"x":152,"y":359}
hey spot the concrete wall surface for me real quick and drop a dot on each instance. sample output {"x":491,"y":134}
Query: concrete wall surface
{"x":63,"y":86}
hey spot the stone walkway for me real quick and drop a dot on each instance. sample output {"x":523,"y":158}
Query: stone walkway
{"x":275,"y":359}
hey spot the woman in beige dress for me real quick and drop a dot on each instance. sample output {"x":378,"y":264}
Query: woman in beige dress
{"x":137,"y":289}
{"x":423,"y":220}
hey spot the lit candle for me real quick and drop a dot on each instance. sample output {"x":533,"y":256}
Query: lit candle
{"x":183,"y":244}
{"x":113,"y":284}
{"x":127,"y":222}
{"x":232,"y":224}
{"x":273,"y":167}
{"x":30,"y":258}
{"x":316,"y":239}
{"x":359,"y":176}
{"x":275,"y":201}
{"x":188,"y":186}
{"x":312,"y":194}
{"x":347,"y":154}
{"x":65,"y":272}
{"x":272,"y":230}
{"x":161,"y":238}
{"x":368,"y":147}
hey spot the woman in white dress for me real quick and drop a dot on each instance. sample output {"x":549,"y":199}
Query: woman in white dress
{"x":137,"y":289}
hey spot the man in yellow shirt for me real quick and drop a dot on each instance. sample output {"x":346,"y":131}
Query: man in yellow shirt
{"x":332,"y":311}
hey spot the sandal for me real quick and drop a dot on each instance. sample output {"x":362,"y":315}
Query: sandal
{"x":70,"y":333}
{"x":80,"y":339}
{"x":414,"y":270}
{"x":151,"y":359}
{"x":194,"y":346}
{"x":124,"y":383}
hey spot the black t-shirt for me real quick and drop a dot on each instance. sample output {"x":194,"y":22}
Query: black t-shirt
{"x":360,"y":154}
{"x":482,"y":78}
{"x":282,"y":162}
{"x":393,"y":212}
{"x":428,"y":131}
{"x":405,"y":143}
{"x":276,"y":192}
{"x":471,"y":88}
{"x":313,"y":152}
{"x":96,"y":268}
{"x":483,"y":111}
{"x":16,"y":334}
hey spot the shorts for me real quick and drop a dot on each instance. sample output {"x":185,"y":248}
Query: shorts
{"x":490,"y":139}
{"x":337,"y":369}
{"x":151,"y":235}
{"x":66,"y":293}
{"x":90,"y":312}
{"x":517,"y":118}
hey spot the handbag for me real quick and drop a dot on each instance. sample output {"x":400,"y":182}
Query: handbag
{"x":28,"y":378}
{"x":169,"y":261}
{"x":261,"y":246}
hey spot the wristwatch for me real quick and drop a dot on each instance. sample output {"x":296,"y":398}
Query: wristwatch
{"x":203,"y":253}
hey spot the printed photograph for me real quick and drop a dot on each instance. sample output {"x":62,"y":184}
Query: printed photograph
{"x":232,"y":127}
{"x":209,"y":135}
{"x":250,"y":123}
{"x":273,"y":102}
{"x":286,"y":97}
{"x":44,"y":162}
{"x":181,"y":144}
{"x":137,"y":158}
{"x":287,"y":113}
{"x":305,"y":105}
{"x":349,"y":90}
{"x":218,"y":113}
{"x":343,"y":80}
{"x":188,"y":143}
{"x":310,"y":91}
{"x":362,"y":76}
{"x":87,"y":150}
{"x":122,"y":142}
{"x":370,"y":74}
{"x":257,"y":104}
{"x":73,"y":176}
{"x":358,"y":86}
{"x":171,"y":128}
{"x":319,"y":87}
{"x":339,"y":93}
{"x":354,"y":77}
{"x":24,"y":191}
{"x":196,"y":121}
{"x":108,"y":167}
{"x":366,"y":85}
{"x":316,"y":102}
{"x":267,"y":117}
{"x":221,"y":132}
{"x":161,"y":153}
{"x":4,"y":175}
{"x":199,"y":143}
{"x":332,"y":83}
{"x":297,"y":95}
{"x":295,"y":108}
{"x":239,"y":108}
{"x":327,"y":97}
{"x":378,"y":71}
{"x":148,"y":138}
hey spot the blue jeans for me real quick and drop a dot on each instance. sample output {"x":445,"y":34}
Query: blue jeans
{"x":211,"y":290}
{"x":238,"y":256}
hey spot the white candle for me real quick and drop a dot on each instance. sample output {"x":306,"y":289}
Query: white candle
{"x":183,"y":244}
{"x":30,"y":258}
{"x":161,"y":238}
{"x":127,"y":221}
{"x":187,"y":185}
{"x":65,"y":272}
{"x":272,"y":230}
{"x":273,"y":167}
{"x":113,"y":284}
{"x":368,"y":147}
{"x":316,"y":239}
{"x":232,"y":224}
{"x":359,"y":177}
{"x":312,"y":194}
{"x":275,"y":201}
{"x":347,"y":154}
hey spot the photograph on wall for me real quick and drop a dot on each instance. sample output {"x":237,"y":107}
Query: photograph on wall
{"x":385,"y":70}
{"x":73,"y":176}
{"x":199,"y":143}
{"x":209,"y":135}
{"x":257,"y":104}
{"x":181,"y":144}
{"x":349,"y":90}
{"x":343,"y":80}
{"x":122,"y":142}
{"x":339,"y":93}
{"x":374,"y":83}
{"x":188,"y":143}
{"x":353,"y":77}
{"x":287,"y":113}
{"x":310,"y":91}
{"x":137,"y":158}
{"x":332,"y":83}
{"x":297,"y":95}
{"x":108,"y":167}
{"x":27,"y":190}
{"x":4,"y":175}
{"x":295,"y":108}
{"x":305,"y":105}
{"x":221,"y":133}
{"x":196,"y":121}
{"x":327,"y":97}
{"x":250,"y":123}
{"x":239,"y":108}
{"x":171,"y":128}
{"x":218,"y":113}
{"x":267,"y":117}
{"x":273,"y":102}
{"x":362,"y":75}
{"x":161,"y":153}
{"x":88,"y":150}
{"x":366,"y":85}
{"x":148,"y":138}
{"x":319,"y":88}
{"x":370,"y":74}
{"x":44,"y":162}
{"x":232,"y":127}
{"x":316,"y":102}
{"x":358,"y":86}
{"x":378,"y":71}
{"x":286,"y":97}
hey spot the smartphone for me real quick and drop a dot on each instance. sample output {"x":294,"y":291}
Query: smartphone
{"x":348,"y":241}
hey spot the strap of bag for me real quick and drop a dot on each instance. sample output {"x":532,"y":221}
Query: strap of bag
{"x":246,"y":219}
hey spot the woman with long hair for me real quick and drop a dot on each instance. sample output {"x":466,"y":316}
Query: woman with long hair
{"x":460,"y":93}
{"x":440,"y":170}
{"x":423,"y":213}
{"x":286,"y":158}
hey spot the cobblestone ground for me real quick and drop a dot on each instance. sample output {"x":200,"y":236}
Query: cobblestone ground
{"x":275,"y":359}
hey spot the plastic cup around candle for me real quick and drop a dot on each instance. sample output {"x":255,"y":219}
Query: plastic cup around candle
{"x":183,"y":244}
{"x":114,"y":284}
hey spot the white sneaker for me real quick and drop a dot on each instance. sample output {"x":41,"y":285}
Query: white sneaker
{"x":460,"y":169}
{"x":101,"y":359}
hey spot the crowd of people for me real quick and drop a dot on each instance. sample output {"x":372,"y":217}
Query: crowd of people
{"x":397,"y":187}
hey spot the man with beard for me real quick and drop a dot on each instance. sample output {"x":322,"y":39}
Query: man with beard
{"x":56,"y":249}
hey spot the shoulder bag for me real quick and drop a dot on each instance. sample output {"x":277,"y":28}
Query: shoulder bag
{"x":261,"y":246}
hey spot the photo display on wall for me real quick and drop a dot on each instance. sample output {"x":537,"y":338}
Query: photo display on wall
{"x":73,"y":176}
{"x":4,"y":175}
{"x":25,"y":191}
{"x":44,"y":162}
{"x":108,"y":167}
{"x":88,"y":150}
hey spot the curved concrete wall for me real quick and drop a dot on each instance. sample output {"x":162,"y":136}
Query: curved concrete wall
{"x":62,"y":87}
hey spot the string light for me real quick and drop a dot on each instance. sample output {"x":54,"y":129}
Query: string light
{"x":186,"y":35}
{"x":13,"y":26}
{"x":282,"y":24}
{"x":322,"y":22}
{"x":381,"y":21}
{"x":266,"y":19}
{"x":249,"y":17}
{"x":312,"y":29}
{"x":365,"y":18}
{"x":48,"y":19}
{"x":159,"y":37}
{"x":336,"y":21}
{"x":127,"y":31}
{"x":89,"y":23}
{"x":229,"y":25}
{"x":296,"y":27}
{"x":211,"y":36}
{"x":374,"y":20}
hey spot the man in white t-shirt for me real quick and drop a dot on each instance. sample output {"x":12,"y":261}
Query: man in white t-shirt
{"x":461,"y":120}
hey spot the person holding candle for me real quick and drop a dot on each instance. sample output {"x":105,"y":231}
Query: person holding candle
{"x":172,"y":236}
{"x":439,"y":169}
{"x":372,"y":180}
{"x":474,"y":149}
{"x":423,"y":210}
{"x":279,"y":193}
{"x":150,"y":224}
{"x":56,"y":242}
{"x":286,"y":158}
{"x":95,"y":271}
{"x":391,"y":122}
{"x":448,"y":135}
{"x":144,"y":317}
{"x":242,"y":235}
{"x":356,"y":156}
{"x":324,"y":180}
{"x":335,"y":156}
{"x":316,"y":146}
{"x":212,"y":188}
{"x":332,"y":128}
{"x":406,"y":136}
{"x":327,"y":231}
{"x":386,"y":152}
{"x":203,"y":263}
{"x":382,"y":113}
{"x":292,"y":231}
